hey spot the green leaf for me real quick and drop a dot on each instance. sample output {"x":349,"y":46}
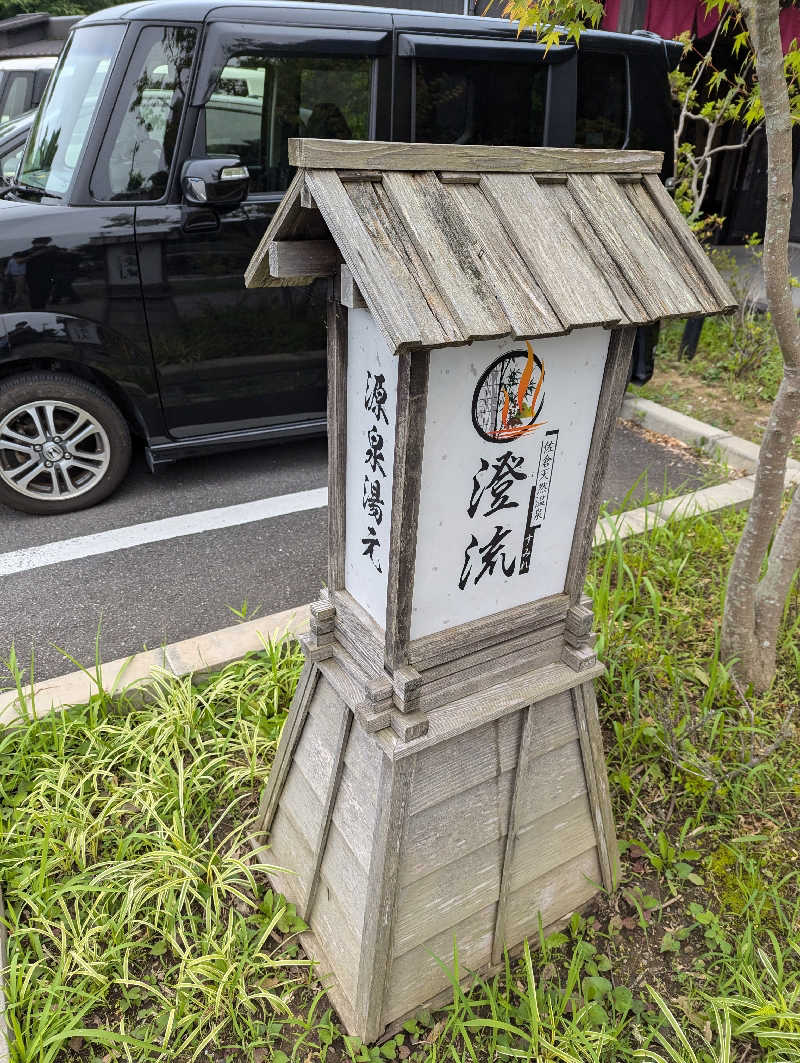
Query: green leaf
{"x":595,"y":987}
{"x":622,"y":999}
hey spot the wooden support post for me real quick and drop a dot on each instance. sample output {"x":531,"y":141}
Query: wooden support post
{"x":394,"y":794}
{"x":337,"y":436}
{"x":351,"y":295}
{"x":331,"y":793}
{"x":290,"y":736}
{"x":523,"y":760}
{"x":412,"y":397}
{"x":615,"y":381}
{"x":594,"y":766}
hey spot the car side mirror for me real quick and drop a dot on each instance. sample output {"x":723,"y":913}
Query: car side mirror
{"x":220,"y":182}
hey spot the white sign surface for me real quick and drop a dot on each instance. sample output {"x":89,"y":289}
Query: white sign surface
{"x":507,"y":437}
{"x":371,"y":408}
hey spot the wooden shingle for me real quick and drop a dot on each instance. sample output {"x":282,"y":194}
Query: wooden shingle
{"x":450,"y":243}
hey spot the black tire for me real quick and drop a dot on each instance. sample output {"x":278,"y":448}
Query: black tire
{"x":41,"y":388}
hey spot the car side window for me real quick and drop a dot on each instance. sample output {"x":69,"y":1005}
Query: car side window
{"x":601,"y":120}
{"x":15,"y":101}
{"x":480,"y":102}
{"x":261,"y":101}
{"x":136,"y":154}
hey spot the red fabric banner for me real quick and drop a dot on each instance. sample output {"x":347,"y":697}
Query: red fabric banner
{"x":790,"y":27}
{"x":668,"y":18}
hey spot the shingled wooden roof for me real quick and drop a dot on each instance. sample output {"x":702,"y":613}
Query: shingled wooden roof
{"x":453,"y":243}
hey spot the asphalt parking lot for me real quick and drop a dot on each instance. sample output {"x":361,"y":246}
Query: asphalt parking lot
{"x":173,"y":555}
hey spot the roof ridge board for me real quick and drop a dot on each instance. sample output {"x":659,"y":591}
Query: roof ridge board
{"x":377,"y":155}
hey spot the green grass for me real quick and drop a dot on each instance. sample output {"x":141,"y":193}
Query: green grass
{"x":142,"y":929}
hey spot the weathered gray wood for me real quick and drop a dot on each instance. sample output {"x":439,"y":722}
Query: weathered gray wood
{"x":391,"y":294}
{"x":351,"y":296}
{"x":412,"y":398}
{"x":435,"y":650}
{"x":520,"y":780}
{"x":504,"y":698}
{"x":337,"y":436}
{"x":359,"y":176}
{"x":450,"y":249}
{"x":658,"y":286}
{"x":573,"y":285}
{"x":417,"y":976}
{"x":673,"y":217}
{"x":383,"y":155}
{"x":394,"y":792}
{"x":448,"y":768}
{"x":494,"y":670}
{"x":381,"y":219}
{"x":551,"y":840}
{"x":623,"y":291}
{"x":257,"y":273}
{"x":612,"y":392}
{"x":594,"y":762}
{"x":663,"y":235}
{"x":359,"y":634}
{"x":303,"y":258}
{"x":331,"y":794}
{"x":555,"y":895}
{"x":306,"y":199}
{"x":315,"y":754}
{"x":488,"y":654}
{"x":447,"y":896}
{"x":550,"y":780}
{"x":332,"y":926}
{"x":502,"y":268}
{"x":447,"y":832}
{"x":460,"y":178}
{"x":342,"y":873}
{"x":290,"y":857}
{"x":301,"y":803}
{"x":355,"y":812}
{"x":290,"y":736}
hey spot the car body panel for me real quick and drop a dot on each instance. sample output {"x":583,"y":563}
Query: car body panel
{"x":148,"y":298}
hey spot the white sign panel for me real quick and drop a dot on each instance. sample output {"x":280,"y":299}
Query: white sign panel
{"x":371,"y":407}
{"x":507,"y":437}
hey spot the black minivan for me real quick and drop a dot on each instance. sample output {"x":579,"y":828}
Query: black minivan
{"x":124,"y":310}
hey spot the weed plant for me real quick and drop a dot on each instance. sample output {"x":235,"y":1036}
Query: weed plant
{"x":142,"y":929}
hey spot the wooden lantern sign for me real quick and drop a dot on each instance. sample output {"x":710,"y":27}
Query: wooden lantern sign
{"x":441,"y":777}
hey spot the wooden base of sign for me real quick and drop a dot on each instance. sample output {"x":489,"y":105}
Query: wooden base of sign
{"x":474,"y":821}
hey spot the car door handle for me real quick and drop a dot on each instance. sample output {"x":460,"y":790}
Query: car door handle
{"x":200,"y":221}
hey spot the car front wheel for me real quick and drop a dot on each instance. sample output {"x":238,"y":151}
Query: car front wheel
{"x":64,"y":445}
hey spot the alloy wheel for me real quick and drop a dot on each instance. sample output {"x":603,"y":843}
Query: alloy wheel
{"x":51,"y":449}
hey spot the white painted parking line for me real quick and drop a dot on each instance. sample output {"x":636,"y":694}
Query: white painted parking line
{"x":156,"y":531}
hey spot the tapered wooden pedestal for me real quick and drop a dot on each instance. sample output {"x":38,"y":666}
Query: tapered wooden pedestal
{"x":495,"y":819}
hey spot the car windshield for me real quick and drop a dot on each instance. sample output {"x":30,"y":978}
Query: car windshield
{"x":67,"y":109}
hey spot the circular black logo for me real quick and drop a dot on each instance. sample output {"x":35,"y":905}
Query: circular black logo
{"x":509,"y":397}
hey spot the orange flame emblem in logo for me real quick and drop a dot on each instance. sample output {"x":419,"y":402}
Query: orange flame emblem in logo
{"x":514,"y":427}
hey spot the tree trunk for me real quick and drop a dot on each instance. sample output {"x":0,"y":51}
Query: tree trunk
{"x":754,"y":605}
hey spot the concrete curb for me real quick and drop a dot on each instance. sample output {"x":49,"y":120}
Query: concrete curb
{"x":716,"y":442}
{"x":218,"y":648}
{"x":195,"y":656}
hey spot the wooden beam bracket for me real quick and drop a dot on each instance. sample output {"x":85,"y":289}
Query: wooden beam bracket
{"x":303,"y":258}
